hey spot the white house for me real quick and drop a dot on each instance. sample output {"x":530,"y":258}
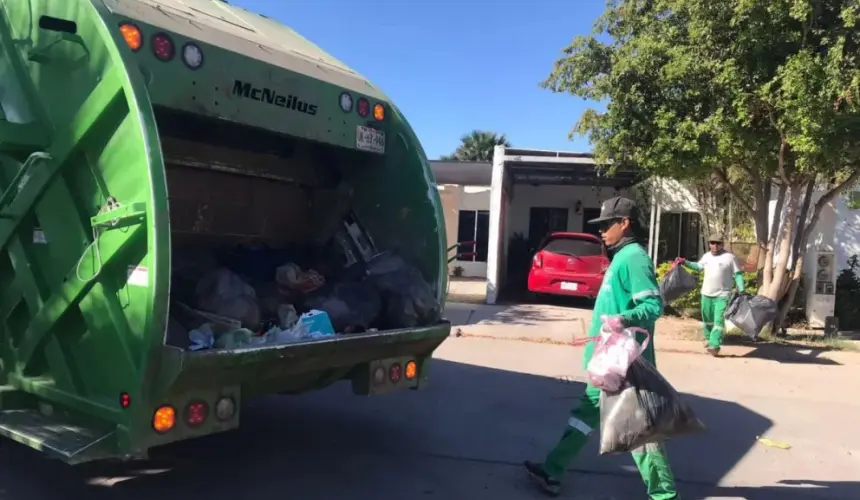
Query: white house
{"x":834,"y":239}
{"x":528,"y":193}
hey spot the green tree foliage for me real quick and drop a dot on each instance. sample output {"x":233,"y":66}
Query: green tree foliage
{"x":478,"y":145}
{"x":762,"y":94}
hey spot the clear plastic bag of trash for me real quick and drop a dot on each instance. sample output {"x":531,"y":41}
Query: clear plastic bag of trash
{"x":410,"y":300}
{"x":751,"y":313}
{"x":677,"y":283}
{"x":351,"y":306}
{"x":646,"y":410}
{"x":614,"y":352}
{"x":224,"y":293}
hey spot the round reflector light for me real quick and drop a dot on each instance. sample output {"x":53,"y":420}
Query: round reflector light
{"x":125,"y":400}
{"x":378,"y":112}
{"x":164,"y":419}
{"x":395,"y":373}
{"x":346,"y":102}
{"x":196,"y":413}
{"x":192,"y":56}
{"x":225,"y":408}
{"x":363,"y":107}
{"x":131,"y":35}
{"x":411,"y":370}
{"x":162,"y":47}
{"x":379,"y":375}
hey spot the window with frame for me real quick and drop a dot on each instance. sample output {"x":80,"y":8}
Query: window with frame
{"x":473,"y":226}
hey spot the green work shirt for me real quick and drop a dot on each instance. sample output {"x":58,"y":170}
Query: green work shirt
{"x":630,"y":289}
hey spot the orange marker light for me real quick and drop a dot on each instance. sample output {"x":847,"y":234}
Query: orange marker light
{"x":411,"y":370}
{"x":164,"y":419}
{"x":378,"y":112}
{"x":132,"y":36}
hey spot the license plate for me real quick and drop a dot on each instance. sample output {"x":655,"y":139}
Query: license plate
{"x":369,"y":139}
{"x":565,"y":285}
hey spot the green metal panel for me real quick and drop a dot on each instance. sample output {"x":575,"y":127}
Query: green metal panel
{"x":74,"y":332}
{"x":84,"y":203}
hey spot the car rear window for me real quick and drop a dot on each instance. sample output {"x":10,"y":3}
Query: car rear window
{"x":573,"y":246}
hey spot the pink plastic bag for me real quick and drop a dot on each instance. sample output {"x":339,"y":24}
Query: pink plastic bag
{"x":616,"y":349}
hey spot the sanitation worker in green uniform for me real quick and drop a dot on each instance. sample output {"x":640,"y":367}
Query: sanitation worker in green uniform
{"x":721,"y":270}
{"x":630,"y":295}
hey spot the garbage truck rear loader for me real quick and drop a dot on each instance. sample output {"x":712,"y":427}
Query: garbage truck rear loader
{"x":198,"y":206}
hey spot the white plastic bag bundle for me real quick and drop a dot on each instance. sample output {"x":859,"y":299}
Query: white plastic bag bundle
{"x":616,"y":349}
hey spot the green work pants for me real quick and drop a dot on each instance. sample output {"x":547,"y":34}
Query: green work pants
{"x":651,"y":460}
{"x":714,"y":319}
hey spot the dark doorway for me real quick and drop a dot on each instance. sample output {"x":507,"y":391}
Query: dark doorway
{"x":587,"y":215}
{"x":545,"y":220}
{"x":679,"y":236}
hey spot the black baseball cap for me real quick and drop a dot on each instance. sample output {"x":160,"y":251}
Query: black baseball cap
{"x":617,"y":208}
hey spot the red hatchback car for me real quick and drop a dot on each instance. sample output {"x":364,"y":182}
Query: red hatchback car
{"x":569,"y":264}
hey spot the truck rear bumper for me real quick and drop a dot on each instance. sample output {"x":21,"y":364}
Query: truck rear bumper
{"x":264,"y":367}
{"x":213,"y":377}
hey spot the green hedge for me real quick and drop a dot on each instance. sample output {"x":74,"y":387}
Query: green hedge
{"x":691,"y":304}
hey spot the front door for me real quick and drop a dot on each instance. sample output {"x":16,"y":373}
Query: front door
{"x":545,"y":220}
{"x":587,"y":215}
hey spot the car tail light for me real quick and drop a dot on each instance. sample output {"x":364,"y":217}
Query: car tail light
{"x":131,"y":35}
{"x":395,"y":373}
{"x":164,"y":419}
{"x":196,"y":413}
{"x":378,"y":112}
{"x":162,"y":47}
{"x":363,"y":107}
{"x":538,"y":260}
{"x":411,"y":370}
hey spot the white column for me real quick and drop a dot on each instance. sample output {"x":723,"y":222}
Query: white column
{"x":496,"y":238}
{"x":658,"y":209}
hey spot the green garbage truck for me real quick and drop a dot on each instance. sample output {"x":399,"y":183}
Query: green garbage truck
{"x":198,"y":206}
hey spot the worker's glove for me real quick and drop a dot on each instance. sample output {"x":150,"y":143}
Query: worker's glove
{"x":679,"y":261}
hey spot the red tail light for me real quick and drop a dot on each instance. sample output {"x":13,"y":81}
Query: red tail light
{"x":538,"y":260}
{"x":196,"y":413}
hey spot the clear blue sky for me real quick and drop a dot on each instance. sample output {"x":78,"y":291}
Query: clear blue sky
{"x":454,"y":65}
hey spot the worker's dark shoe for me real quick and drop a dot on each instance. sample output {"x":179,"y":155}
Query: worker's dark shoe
{"x":549,"y":485}
{"x":714,"y":351}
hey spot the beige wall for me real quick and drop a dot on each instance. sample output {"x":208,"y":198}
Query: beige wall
{"x":454,"y":199}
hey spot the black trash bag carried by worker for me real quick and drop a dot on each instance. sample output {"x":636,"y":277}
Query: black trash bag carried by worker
{"x":677,"y":283}
{"x":409,"y":300}
{"x":646,"y":410}
{"x":751,"y":313}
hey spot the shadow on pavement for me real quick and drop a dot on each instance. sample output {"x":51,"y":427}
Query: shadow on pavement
{"x":782,"y":353}
{"x":463,"y":437}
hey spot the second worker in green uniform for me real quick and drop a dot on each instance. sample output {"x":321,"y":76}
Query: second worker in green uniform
{"x":721,"y":271}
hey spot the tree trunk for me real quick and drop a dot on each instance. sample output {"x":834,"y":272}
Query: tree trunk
{"x":767,"y":278}
{"x":804,"y":214}
{"x":785,"y":238}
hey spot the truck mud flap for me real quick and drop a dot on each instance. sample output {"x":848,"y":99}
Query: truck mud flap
{"x":247,"y":366}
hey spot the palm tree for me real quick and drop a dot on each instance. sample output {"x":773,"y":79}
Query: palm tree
{"x":478,"y":146}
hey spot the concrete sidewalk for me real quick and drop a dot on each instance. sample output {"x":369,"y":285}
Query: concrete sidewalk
{"x":549,"y":324}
